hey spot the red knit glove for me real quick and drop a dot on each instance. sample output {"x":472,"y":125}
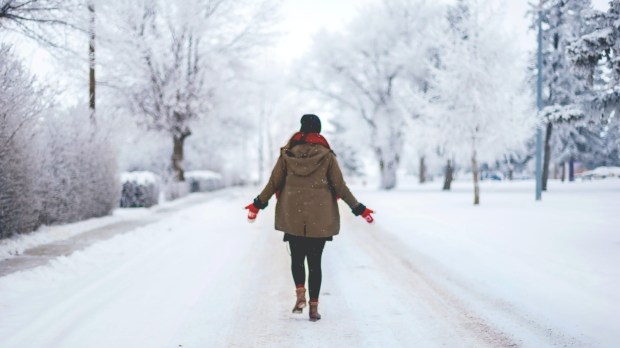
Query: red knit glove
{"x":252,"y":212}
{"x":361,"y":209}
{"x":254,"y":208}
{"x":366,"y":215}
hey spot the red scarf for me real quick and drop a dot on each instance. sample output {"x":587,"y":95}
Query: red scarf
{"x":311,"y":138}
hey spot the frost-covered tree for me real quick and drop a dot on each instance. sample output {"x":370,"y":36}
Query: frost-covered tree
{"x":600,"y":43}
{"x":420,"y":49}
{"x":596,"y":52}
{"x":21,"y":101}
{"x":362,"y":70}
{"x":347,"y":152}
{"x":427,"y":130}
{"x":481,"y":105}
{"x":172,"y":58}
{"x":563,"y":85}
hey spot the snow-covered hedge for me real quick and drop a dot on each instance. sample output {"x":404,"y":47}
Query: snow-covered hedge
{"x":204,"y":180}
{"x":18,"y":110}
{"x":56,"y":166}
{"x":140,"y":189}
{"x":175,"y":190}
{"x":79,"y":168}
{"x":66,"y":172}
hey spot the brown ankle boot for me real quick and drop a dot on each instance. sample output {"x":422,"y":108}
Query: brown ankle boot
{"x":314,"y":311}
{"x":301,"y":300}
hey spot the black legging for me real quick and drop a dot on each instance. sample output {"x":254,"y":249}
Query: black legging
{"x":311,"y":248}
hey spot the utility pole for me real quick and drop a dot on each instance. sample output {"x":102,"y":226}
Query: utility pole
{"x":91,"y":60}
{"x":539,"y":105}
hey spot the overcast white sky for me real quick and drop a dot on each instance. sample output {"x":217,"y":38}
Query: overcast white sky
{"x":303,"y":18}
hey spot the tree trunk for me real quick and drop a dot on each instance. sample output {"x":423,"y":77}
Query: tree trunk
{"x":555,"y":170}
{"x":91,"y":61}
{"x":388,"y":173}
{"x":571,"y":170}
{"x":474,"y":169}
{"x":563,"y":172}
{"x":177,"y":157}
{"x":422,"y":175}
{"x":547,"y":158}
{"x":261,"y":147}
{"x":270,"y":152}
{"x":389,"y":160}
{"x":449,"y":175}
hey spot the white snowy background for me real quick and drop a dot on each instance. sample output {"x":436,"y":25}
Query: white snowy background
{"x":430,"y":107}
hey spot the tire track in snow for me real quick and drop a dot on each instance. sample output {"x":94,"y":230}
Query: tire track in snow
{"x":347,"y":300}
{"x":264,"y":317}
{"x":471,"y":329}
{"x":530,"y":328}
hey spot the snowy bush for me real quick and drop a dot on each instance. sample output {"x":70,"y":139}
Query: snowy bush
{"x":204,"y":180}
{"x":175,"y":189}
{"x":601,"y":173}
{"x":79,"y":167}
{"x":20,"y":104}
{"x":140,"y":189}
{"x":55,"y":167}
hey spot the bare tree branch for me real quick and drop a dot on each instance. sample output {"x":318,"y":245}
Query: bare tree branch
{"x":39,"y":20}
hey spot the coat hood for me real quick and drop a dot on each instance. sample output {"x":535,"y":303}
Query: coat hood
{"x":304,"y":159}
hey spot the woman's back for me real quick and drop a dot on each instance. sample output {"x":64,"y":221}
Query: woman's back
{"x":308,"y":179}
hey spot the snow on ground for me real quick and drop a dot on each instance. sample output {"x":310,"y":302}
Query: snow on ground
{"x":433,"y":271}
{"x":552,"y":263}
{"x":17,"y":244}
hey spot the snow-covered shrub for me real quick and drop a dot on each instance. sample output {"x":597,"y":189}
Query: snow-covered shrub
{"x":204,"y":180}
{"x":79,"y":169}
{"x":20,"y":103}
{"x":175,"y":189}
{"x":56,"y":166}
{"x":140,"y":189}
{"x":601,"y":173}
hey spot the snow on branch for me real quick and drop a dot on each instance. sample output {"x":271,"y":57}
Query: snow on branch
{"x":562,"y":113}
{"x":588,"y":49}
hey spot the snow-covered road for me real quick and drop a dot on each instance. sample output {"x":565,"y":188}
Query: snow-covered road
{"x":432,"y":272}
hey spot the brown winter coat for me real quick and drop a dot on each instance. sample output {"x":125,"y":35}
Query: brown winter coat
{"x":309,"y":180}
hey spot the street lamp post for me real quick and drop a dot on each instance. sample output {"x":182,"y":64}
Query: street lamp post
{"x":539,"y":106}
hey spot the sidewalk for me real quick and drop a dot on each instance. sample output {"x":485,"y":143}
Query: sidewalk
{"x":41,"y":254}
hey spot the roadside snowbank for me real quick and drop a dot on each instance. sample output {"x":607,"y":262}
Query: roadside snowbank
{"x":17,"y":244}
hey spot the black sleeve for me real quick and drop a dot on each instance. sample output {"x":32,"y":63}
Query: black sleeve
{"x":359,"y":209}
{"x":260,"y":205}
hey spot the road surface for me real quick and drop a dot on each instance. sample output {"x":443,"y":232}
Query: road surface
{"x":204,"y":277}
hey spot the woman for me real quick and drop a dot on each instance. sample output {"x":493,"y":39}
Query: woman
{"x":307,"y":182}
